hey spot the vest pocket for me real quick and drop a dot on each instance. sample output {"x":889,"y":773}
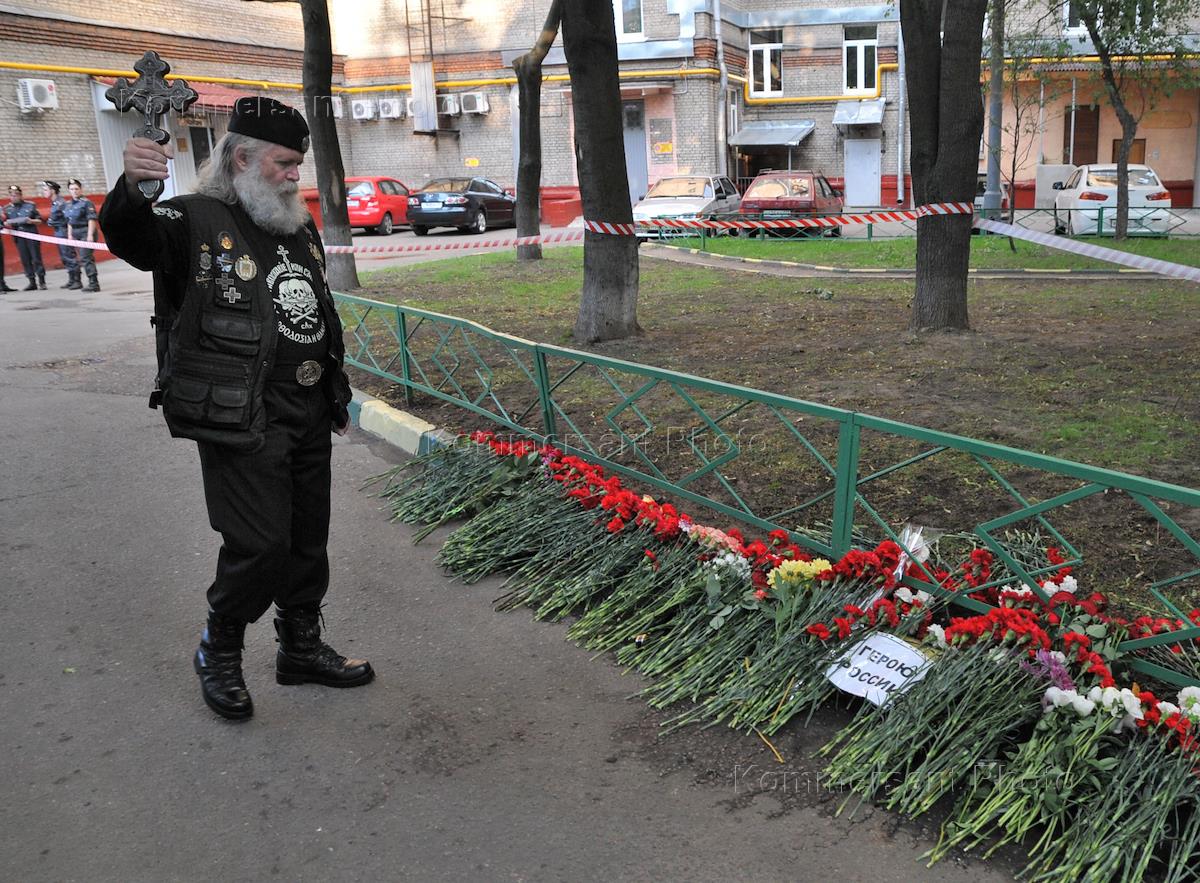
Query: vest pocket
{"x":234,"y":333}
{"x":207,"y":393}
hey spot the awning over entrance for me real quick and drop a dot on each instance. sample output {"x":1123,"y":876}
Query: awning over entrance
{"x":786,"y":133}
{"x":859,"y":113}
{"x":213,"y":96}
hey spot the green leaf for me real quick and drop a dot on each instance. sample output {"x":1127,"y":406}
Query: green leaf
{"x":716,"y":622}
{"x":1096,"y":631}
{"x":713,"y":588}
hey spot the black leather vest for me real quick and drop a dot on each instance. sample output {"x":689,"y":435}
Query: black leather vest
{"x":216,"y":351}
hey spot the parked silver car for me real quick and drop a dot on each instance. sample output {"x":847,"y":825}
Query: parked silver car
{"x":685,"y":197}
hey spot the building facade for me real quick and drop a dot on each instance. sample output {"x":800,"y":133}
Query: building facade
{"x":425,"y":88}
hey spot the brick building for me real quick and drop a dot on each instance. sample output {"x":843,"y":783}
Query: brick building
{"x":426,"y":88}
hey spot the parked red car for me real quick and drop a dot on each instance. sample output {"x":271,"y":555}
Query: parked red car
{"x":376,"y":203}
{"x":798,"y":194}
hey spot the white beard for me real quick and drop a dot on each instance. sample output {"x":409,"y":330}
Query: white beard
{"x":278,"y":210}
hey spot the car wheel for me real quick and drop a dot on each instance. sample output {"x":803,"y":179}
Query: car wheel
{"x":418,"y":230}
{"x":385,"y":226}
{"x":479,"y":225}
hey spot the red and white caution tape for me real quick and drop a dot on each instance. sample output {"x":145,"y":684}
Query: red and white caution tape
{"x":1113,"y":256}
{"x":457,"y":244}
{"x":1086,"y":249}
{"x":57,"y":240}
{"x":881,"y":217}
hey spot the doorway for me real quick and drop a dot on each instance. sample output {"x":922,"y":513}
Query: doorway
{"x":633,"y":118}
{"x":1084,"y":148}
{"x":862,"y":177}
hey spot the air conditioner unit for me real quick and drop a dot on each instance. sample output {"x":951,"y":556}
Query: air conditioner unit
{"x":390,"y":109}
{"x":335,"y":101}
{"x":448,"y":104}
{"x":473,"y":102}
{"x":363,"y":108}
{"x":36,"y":95}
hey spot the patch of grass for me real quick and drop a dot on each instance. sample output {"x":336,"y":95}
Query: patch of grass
{"x":987,"y":252}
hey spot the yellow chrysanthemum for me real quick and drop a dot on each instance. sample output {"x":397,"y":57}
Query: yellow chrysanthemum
{"x":791,"y":571}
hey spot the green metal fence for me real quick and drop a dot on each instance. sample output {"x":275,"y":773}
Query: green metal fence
{"x":713,"y":443}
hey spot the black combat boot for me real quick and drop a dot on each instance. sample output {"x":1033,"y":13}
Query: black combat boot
{"x":219,"y":663}
{"x":93,"y":284}
{"x":72,"y":282}
{"x":303,"y":658}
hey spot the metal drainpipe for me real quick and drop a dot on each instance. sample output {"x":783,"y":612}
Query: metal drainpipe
{"x":1196,"y":171}
{"x":723,"y":95}
{"x":901,"y":197}
{"x":1071,"y":148}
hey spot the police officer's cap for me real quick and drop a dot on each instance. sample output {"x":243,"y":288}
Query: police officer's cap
{"x":270,"y":120}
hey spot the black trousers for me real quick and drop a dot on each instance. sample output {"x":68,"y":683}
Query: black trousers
{"x":271,"y":507}
{"x":30,"y":251}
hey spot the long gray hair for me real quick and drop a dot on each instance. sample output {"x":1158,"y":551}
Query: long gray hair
{"x":218,"y":171}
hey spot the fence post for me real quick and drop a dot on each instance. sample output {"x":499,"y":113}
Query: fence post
{"x":870,"y":232}
{"x":846,"y":486}
{"x":1100,"y":221}
{"x":543,"y":385}
{"x":405,"y":367}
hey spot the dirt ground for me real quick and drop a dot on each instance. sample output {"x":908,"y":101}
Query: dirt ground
{"x":1102,"y":372}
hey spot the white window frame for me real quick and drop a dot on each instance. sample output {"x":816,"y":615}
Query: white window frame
{"x":1080,"y":29}
{"x":760,"y":60}
{"x":859,"y":46}
{"x":619,"y":20}
{"x":1077,"y":29}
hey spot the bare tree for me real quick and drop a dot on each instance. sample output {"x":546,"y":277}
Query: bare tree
{"x":608,"y":304}
{"x":327,"y":151}
{"x":946,"y":115}
{"x":529,"y":101}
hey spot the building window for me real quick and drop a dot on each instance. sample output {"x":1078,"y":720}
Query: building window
{"x":1071,"y":20}
{"x":1136,"y":14}
{"x":628,"y":15}
{"x":860,"y":44}
{"x":766,"y":62}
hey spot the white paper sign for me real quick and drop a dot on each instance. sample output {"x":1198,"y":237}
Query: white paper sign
{"x":878,"y":667}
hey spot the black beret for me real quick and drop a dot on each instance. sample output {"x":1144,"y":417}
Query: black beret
{"x":270,"y":120}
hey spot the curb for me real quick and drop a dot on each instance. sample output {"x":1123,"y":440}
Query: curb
{"x":398,"y":428}
{"x":897,"y":273}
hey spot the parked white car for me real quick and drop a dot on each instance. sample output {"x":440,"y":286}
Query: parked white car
{"x":687,"y":197}
{"x":1086,"y":203}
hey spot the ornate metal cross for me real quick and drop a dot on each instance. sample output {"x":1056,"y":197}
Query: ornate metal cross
{"x":151,"y":96}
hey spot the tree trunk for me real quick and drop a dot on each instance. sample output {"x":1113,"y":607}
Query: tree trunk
{"x":529,"y":101}
{"x":946,"y":116}
{"x":327,"y":152}
{"x":1128,"y":121}
{"x":608,"y":304}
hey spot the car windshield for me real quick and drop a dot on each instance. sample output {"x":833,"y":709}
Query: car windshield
{"x":680,"y":187}
{"x":359,"y":188}
{"x":448,"y":185}
{"x":777,"y":188}
{"x":1108,"y":178}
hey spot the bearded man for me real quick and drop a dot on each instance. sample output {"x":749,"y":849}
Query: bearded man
{"x":250,"y":366}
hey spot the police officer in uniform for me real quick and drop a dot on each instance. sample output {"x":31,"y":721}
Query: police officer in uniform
{"x":22,"y":217}
{"x":250,"y":366}
{"x":57,"y":222}
{"x":82,"y":224}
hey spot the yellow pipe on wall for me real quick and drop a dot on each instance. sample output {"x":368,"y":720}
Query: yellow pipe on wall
{"x":810,"y":99}
{"x":390,"y":87}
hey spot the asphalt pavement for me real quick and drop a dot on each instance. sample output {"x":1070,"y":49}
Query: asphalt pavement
{"x":488,"y":748}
